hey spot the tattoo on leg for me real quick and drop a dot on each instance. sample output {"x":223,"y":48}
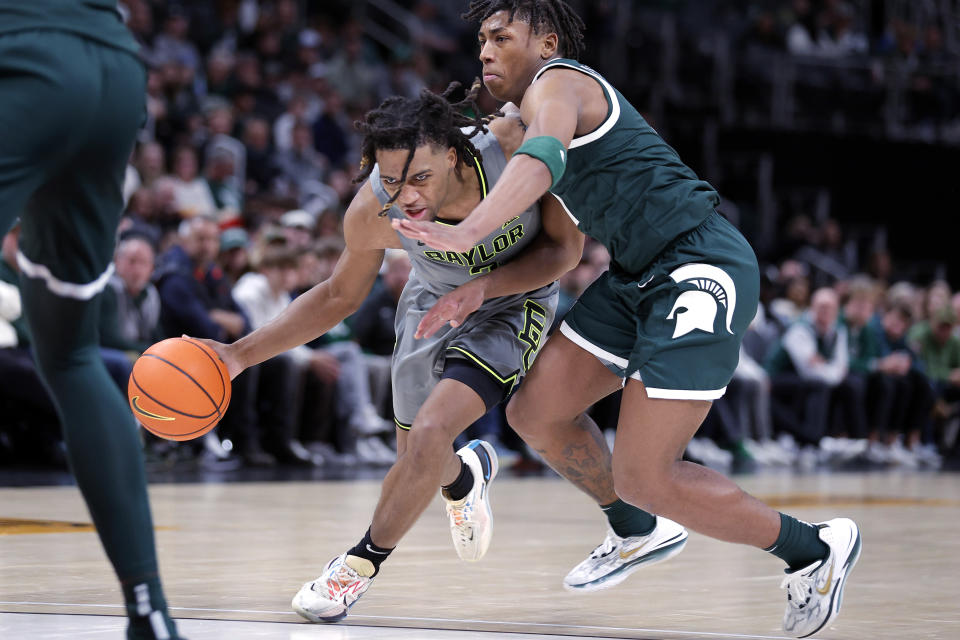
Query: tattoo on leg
{"x":586,"y":461}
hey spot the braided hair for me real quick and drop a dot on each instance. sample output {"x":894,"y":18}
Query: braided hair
{"x":550,"y":16}
{"x":407,"y":123}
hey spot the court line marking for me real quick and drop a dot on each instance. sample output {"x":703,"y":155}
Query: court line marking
{"x":416,"y":619}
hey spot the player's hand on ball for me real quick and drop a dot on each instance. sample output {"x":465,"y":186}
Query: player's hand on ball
{"x":225,"y":353}
{"x":453,"y":307}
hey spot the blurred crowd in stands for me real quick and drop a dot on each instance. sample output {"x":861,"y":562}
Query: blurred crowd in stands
{"x":856,"y":63}
{"x":235,"y":196}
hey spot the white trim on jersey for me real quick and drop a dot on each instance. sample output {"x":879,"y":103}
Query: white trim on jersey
{"x":59,"y":287}
{"x":565,"y":208}
{"x":652,"y":392}
{"x":607,"y":125}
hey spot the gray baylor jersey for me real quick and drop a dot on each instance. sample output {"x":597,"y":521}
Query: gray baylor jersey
{"x":441,"y":271}
{"x":502,"y":337}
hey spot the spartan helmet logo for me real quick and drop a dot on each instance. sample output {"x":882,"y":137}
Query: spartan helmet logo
{"x":697,"y":309}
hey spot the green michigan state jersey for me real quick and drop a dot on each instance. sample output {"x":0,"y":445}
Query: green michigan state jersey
{"x":97,"y":20}
{"x":625,"y":186}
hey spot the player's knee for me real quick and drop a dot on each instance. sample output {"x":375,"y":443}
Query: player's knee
{"x":521,"y":417}
{"x":427,"y":439}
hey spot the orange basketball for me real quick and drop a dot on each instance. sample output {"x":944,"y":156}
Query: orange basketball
{"x":179,"y":389}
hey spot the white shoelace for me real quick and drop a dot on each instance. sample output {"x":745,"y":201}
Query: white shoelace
{"x":799,"y":585}
{"x":344,"y":575}
{"x":461,"y":517}
{"x":604,"y":548}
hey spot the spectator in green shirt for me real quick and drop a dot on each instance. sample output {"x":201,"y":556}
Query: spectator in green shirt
{"x":938,"y":348}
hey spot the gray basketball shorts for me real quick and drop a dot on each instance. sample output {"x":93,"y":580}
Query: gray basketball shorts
{"x":501,"y":338}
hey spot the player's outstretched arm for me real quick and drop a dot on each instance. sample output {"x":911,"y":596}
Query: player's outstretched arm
{"x":555,"y":250}
{"x":326,"y":304}
{"x":551,"y":108}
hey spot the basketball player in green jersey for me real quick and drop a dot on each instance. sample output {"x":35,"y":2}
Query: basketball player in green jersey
{"x":665,"y":322}
{"x":71,"y":101}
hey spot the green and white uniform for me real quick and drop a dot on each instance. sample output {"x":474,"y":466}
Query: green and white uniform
{"x":73,"y":98}
{"x":683,"y":283}
{"x":500,"y":338}
{"x":72,"y":95}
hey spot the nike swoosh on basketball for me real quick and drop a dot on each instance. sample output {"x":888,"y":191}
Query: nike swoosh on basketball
{"x":626,"y":554}
{"x":144,"y":412}
{"x":826,"y":587}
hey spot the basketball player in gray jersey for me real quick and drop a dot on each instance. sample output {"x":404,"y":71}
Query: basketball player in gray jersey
{"x":423,"y":160}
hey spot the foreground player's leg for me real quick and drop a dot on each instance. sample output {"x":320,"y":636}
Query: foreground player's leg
{"x":68,"y":231}
{"x":574,"y":447}
{"x":652,"y":434}
{"x":425,"y":460}
{"x":103,"y":447}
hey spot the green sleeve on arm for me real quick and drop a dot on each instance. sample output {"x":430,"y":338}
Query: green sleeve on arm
{"x":548,"y":150}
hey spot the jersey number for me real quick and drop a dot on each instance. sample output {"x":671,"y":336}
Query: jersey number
{"x":480,"y":269}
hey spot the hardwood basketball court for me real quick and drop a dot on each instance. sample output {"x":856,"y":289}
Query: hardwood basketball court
{"x":239,"y":551}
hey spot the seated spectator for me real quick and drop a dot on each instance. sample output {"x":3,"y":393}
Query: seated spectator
{"x":262,"y":169}
{"x":935,"y":298}
{"x":810,"y":361}
{"x":373,"y":323}
{"x":357,"y":78}
{"x":879,"y":386}
{"x":30,"y":423}
{"x":130,"y":304}
{"x":224,"y":186}
{"x":912,"y":396}
{"x":234,"y":256}
{"x":195,"y":300}
{"x":191,"y":193}
{"x":173,"y":43}
{"x":938,"y":349}
{"x":283,"y":128}
{"x":871,"y":388}
{"x":332,"y":129}
{"x":264,"y":294}
{"x":150,"y":162}
{"x":788,"y":307}
{"x":219,"y":76}
{"x":301,"y":164}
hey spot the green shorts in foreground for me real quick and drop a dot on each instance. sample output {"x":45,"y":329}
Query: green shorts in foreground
{"x":69,"y":114}
{"x":677,"y":326}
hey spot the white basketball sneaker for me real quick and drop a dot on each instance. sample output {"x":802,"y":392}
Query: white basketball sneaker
{"x":328,"y":598}
{"x":616,"y":558}
{"x":814,"y":593}
{"x":471,"y":520}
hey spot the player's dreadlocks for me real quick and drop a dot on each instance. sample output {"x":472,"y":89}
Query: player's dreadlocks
{"x":406,"y":123}
{"x":554,"y":16}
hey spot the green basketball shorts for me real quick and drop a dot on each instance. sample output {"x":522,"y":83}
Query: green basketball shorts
{"x":677,"y":326}
{"x":69,"y":114}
